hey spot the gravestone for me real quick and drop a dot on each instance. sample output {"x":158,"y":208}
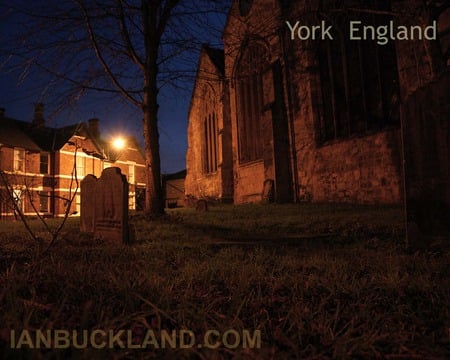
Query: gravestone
{"x":426,"y":139}
{"x":104,"y":206}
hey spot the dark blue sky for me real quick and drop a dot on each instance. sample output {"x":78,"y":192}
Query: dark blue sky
{"x":117,"y":116}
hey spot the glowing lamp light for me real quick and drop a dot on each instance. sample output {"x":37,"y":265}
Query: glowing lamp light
{"x":118,"y":143}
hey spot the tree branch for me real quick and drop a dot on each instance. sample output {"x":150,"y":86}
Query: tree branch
{"x":99,"y":55}
{"x":126,"y":37}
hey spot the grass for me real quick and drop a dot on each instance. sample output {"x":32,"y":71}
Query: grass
{"x":318,"y":281}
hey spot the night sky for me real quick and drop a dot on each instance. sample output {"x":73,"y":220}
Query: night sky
{"x":117,"y":116}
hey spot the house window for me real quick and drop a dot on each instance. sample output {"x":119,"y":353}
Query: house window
{"x":139,"y":199}
{"x":19,"y":160}
{"x":44,"y":202}
{"x":249,"y":97}
{"x":81,"y":167}
{"x":131,"y":201}
{"x":358,"y":78}
{"x":211,"y":143}
{"x":18,"y":200}
{"x":44,"y":163}
{"x":77,"y":204}
{"x":131,"y":178}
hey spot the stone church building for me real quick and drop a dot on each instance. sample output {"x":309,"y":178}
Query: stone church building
{"x":293,"y":115}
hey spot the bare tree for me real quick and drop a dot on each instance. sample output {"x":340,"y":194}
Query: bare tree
{"x":129,"y":48}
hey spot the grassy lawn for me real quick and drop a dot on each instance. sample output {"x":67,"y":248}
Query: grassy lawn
{"x":317,"y":281}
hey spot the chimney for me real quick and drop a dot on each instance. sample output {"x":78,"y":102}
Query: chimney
{"x":38,"y":119}
{"x":94,"y":127}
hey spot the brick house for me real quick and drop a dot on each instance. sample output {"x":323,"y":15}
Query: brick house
{"x":320,"y":120}
{"x":43,"y":166}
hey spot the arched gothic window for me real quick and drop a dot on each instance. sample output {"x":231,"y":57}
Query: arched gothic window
{"x":249,"y":100}
{"x":210,"y":134}
{"x":359,"y":78}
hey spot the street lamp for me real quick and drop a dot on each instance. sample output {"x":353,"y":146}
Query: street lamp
{"x":119,"y":143}
{"x":114,"y":148}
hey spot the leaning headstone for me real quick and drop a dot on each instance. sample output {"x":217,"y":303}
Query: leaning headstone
{"x":104,"y":206}
{"x":426,"y":139}
{"x":88,"y":187}
{"x":111,"y":206}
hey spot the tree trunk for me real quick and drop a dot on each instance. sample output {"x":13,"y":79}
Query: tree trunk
{"x":154,"y":204}
{"x":153,"y":194}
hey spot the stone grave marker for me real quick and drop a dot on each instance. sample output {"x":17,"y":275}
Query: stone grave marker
{"x":426,"y":139}
{"x":104,"y":206}
{"x":111,"y":206}
{"x":87,"y":198}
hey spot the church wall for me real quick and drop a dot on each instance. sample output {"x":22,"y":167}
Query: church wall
{"x":209,"y":94}
{"x":259,"y":26}
{"x":362,"y":167}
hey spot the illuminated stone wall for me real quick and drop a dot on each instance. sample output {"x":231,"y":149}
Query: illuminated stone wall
{"x":303,"y":160}
{"x":208,"y":178}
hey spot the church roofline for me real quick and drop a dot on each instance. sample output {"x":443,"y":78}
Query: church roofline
{"x":210,"y":53}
